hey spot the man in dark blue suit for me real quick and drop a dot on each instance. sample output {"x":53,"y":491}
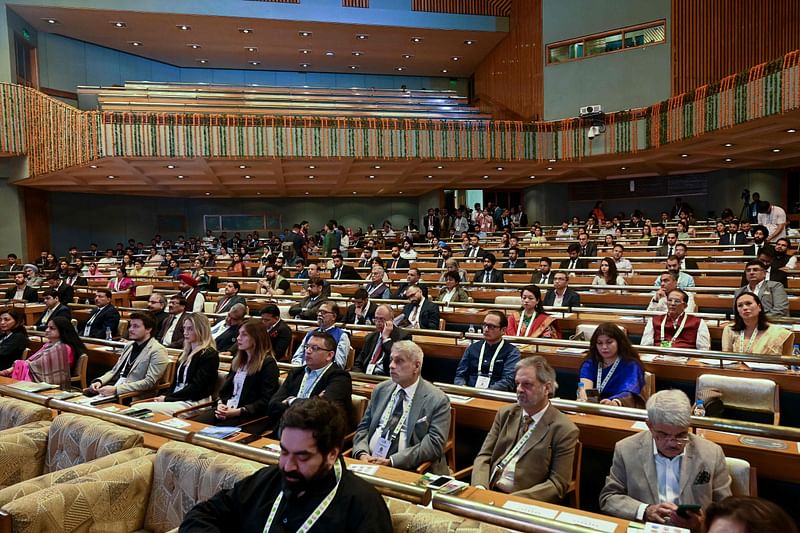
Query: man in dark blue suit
{"x":561,"y":295}
{"x":104,"y":317}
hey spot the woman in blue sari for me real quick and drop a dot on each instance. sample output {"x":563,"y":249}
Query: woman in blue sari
{"x":613,"y":368}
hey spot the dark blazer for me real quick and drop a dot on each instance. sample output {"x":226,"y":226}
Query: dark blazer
{"x":520,"y":263}
{"x":590,"y":250}
{"x":350,"y":315}
{"x":662,"y":251}
{"x":201,"y":375}
{"x":365,"y":355}
{"x":435,"y":224}
{"x":478,"y":255}
{"x":428,"y":315}
{"x":335,"y":382}
{"x":751,"y":250}
{"x":80,"y":281}
{"x":538,"y":278}
{"x":733,"y":239}
{"x":775,"y":274}
{"x":653,"y":241}
{"x":12,"y":347}
{"x":107,"y":317}
{"x":401,"y":289}
{"x":177,"y":335}
{"x":65,"y":293}
{"x":29,"y":294}
{"x":580,"y":263}
{"x":496,"y":276}
{"x":227,"y":339}
{"x":571,"y":298}
{"x":281,"y":337}
{"x":224,"y":304}
{"x":348,"y":272}
{"x":257,"y":391}
{"x":62,"y":311}
{"x":307,"y":308}
{"x":402,"y":263}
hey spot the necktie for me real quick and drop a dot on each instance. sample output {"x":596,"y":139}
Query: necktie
{"x":395,"y":418}
{"x":338,"y":273}
{"x":378,"y":351}
{"x":526,"y":421}
{"x":487,"y":276}
{"x":394,"y":263}
{"x":757,"y":249}
{"x":545,"y":278}
{"x":572,"y":265}
{"x":669,"y":251}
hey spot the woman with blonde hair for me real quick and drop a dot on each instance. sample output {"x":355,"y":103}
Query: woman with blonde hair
{"x":197,"y":369}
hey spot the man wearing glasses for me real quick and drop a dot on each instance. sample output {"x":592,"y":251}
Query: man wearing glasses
{"x":655,"y":471}
{"x":374,"y":356}
{"x":677,"y":328}
{"x":326,"y":318}
{"x":489,"y":364}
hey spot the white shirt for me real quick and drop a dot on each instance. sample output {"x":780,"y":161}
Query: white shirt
{"x":564,"y":235}
{"x":772,"y":220}
{"x":167,"y":338}
{"x":401,"y":438}
{"x":661,"y":304}
{"x":703,"y":341}
{"x":506,"y":481}
{"x":624,"y":267}
{"x":558,"y":301}
{"x":668,"y":474}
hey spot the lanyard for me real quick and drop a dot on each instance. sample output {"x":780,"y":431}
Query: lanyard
{"x":749,"y":348}
{"x":238,"y":384}
{"x":515,"y":450}
{"x":185,"y":368}
{"x":494,"y":358}
{"x":677,"y":331}
{"x":316,"y":513}
{"x":301,"y":393}
{"x":522,"y":320}
{"x":602,"y":384}
{"x":388,"y":413}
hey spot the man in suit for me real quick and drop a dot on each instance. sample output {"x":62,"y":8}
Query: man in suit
{"x":489,"y":274}
{"x":530,"y":449}
{"x":342,"y":271}
{"x":587,"y":247}
{"x":327,"y":316}
{"x":279,"y":333}
{"x":474,"y":253}
{"x":431,"y":223}
{"x":543,"y":276}
{"x":782,"y":259}
{"x":561,"y":295}
{"x":733,"y":237}
{"x":574,"y":261}
{"x":420,"y":312}
{"x":308,"y":306}
{"x":140,"y":365}
{"x":513,"y":259}
{"x":74,"y":278}
{"x":407,"y":420}
{"x":654,"y":471}
{"x":21,"y":291}
{"x":771,"y":293}
{"x":397,"y":262}
{"x":773,"y":273}
{"x":361,"y":310}
{"x":13,"y":264}
{"x":374,"y":355}
{"x":658,"y":240}
{"x":412,"y":280}
{"x":104,"y":317}
{"x":759,"y":242}
{"x":489,"y":364}
{"x":230,"y":298}
{"x":317,"y":376}
{"x":156,"y":304}
{"x":65,"y":292}
{"x":53,"y":308}
{"x":225,"y":331}
{"x":171,"y":332}
{"x":445,"y":253}
{"x":687,"y":263}
{"x":668,"y":248}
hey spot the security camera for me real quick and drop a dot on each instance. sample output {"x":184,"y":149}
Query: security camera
{"x":593,"y":132}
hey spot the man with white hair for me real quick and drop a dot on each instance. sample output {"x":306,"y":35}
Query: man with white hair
{"x":654,"y":471}
{"x":407,"y":419}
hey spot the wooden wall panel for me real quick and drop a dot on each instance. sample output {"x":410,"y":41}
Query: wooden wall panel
{"x":37,"y":223}
{"x":509,"y":82}
{"x":712,"y":39}
{"x":491,"y":8}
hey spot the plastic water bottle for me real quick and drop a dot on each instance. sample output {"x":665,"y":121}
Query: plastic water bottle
{"x":699,"y":408}
{"x":109,"y":336}
{"x":580,"y":395}
{"x":471,"y":330}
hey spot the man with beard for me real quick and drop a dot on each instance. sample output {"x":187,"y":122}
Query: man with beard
{"x":327,"y":315}
{"x":310,"y":487}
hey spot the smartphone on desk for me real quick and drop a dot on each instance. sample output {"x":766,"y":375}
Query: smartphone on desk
{"x":592,"y":395}
{"x":686,"y":508}
{"x":439,"y":482}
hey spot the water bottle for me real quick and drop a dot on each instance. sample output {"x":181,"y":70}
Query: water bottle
{"x":580,"y":396}
{"x":796,"y":353}
{"x":109,"y":336}
{"x":699,"y":408}
{"x":471,"y":330}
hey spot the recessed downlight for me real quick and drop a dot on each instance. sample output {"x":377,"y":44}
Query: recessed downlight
{"x":312,"y":167}
{"x":248,"y":177}
{"x":371,"y":176}
{"x":245,"y":30}
{"x":444,"y":71}
{"x":135,"y":43}
{"x":362,"y":36}
{"x":305,"y":65}
{"x":776,"y":150}
{"x":728,"y":160}
{"x":93,"y":166}
{"x":254,"y":63}
{"x":408,"y":56}
{"x":399,"y":69}
{"x":50,"y":21}
{"x":170,"y":166}
{"x":181,"y":176}
{"x":352,"y":67}
{"x":499,"y":169}
{"x":111,"y":177}
{"x":194,"y":46}
{"x":357,"y":54}
{"x":684,"y":155}
{"x":791,"y":130}
{"x":203,"y":61}
{"x":183,"y":27}
{"x":549,"y":168}
{"x":330,"y":53}
{"x":208,"y":194}
{"x":305,"y":33}
{"x":311,"y":177}
{"x":727,"y":145}
{"x":119,"y":24}
{"x":469,"y":42}
{"x":456,"y":58}
{"x":417,"y":40}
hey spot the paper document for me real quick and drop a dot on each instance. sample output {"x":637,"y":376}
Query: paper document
{"x":527,"y":508}
{"x":586,"y":521}
{"x":370,"y":470}
{"x":175,"y":423}
{"x":766,"y":367}
{"x":456,"y":398}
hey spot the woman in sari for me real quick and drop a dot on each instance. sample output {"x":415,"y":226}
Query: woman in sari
{"x":531,"y":320}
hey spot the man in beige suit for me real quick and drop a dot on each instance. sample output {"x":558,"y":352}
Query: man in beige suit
{"x":655,"y":471}
{"x":530,"y":449}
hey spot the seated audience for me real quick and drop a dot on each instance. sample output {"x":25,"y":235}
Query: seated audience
{"x":656,"y":470}
{"x":451,"y":265}
{"x":140,"y":365}
{"x":361,"y":311}
{"x":751,"y":333}
{"x":412,"y":280}
{"x":771,"y":293}
{"x":532,"y":321}
{"x":226,"y":331}
{"x":273,"y":283}
{"x":195,"y":301}
{"x":377,"y":287}
{"x":419,"y":313}
{"x":489,"y":364}
{"x":104,"y":320}
{"x":489,"y":274}
{"x":21,"y":291}
{"x":308,"y":307}
{"x":171,"y":332}
{"x":374,"y":355}
{"x":612,"y":368}
{"x":574,"y":261}
{"x":506,"y":463}
{"x":673,"y":264}
{"x":607,"y":275}
{"x":407,"y":419}
{"x":747,"y":514}
{"x":32,"y":275}
{"x":668,"y":283}
{"x":230,"y":297}
{"x":453,"y":292}
{"x":52,"y":308}
{"x":544,"y":274}
{"x":310,"y":484}
{"x":326,"y":319}
{"x":279,"y":333}
{"x":121,"y":282}
{"x":677,"y":328}
{"x":197,"y":370}
{"x":561,"y":295}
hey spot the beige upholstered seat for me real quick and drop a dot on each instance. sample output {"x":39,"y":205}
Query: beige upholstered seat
{"x":407,"y":516}
{"x":507,"y":300}
{"x":15,"y":413}
{"x":743,"y":477}
{"x":746,"y":394}
{"x":588,"y":330}
{"x":22,"y":452}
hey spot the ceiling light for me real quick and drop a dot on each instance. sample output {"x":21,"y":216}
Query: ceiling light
{"x":455,"y":58}
{"x":119,"y":24}
{"x":135,"y":43}
{"x":305,"y":51}
{"x":791,"y":130}
{"x":417,"y":40}
{"x":194,"y":46}
{"x":312,"y":167}
{"x":170,"y":166}
{"x":184,"y":27}
{"x":376,"y":166}
{"x":305,"y":33}
{"x":684,"y":155}
{"x":407,"y":56}
{"x":549,"y":168}
{"x":305,"y":65}
{"x":254,"y":63}
{"x":399,"y":69}
{"x":306,"y":192}
{"x":439,"y":166}
{"x":352,"y":67}
{"x":371,"y":176}
{"x":623,"y":168}
{"x":728,"y":160}
{"x":362,"y":36}
{"x":330,"y":53}
{"x":181,"y":176}
{"x":429,"y":176}
{"x":500,"y":169}
{"x":776,"y":150}
{"x":245,"y":30}
{"x":251,"y":48}
{"x":486,"y":177}
{"x":400,"y":192}
{"x":357,"y":54}
{"x":248,"y":177}
{"x":469,"y":42}
{"x":311,"y":177}
{"x":727,"y":145}
{"x":354,"y":192}
{"x":111,"y":177}
{"x":531,"y":177}
{"x":444,"y":71}
{"x":202,"y":61}
{"x":92,"y":166}
{"x":208,"y":194}
{"x":242,"y":166}
{"x":51,"y":21}
{"x":552,"y":160}
{"x":258,"y":193}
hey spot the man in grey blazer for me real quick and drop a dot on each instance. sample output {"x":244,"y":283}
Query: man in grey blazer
{"x":140,"y":365}
{"x":654,"y":471}
{"x":771,"y":293}
{"x":531,"y":447}
{"x":408,"y":419}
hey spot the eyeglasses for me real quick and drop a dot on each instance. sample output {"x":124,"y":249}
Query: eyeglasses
{"x":490,"y":326}
{"x":681,"y":438}
{"x":313,"y":348}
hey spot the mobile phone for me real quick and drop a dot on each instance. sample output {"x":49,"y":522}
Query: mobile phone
{"x":439,"y":482}
{"x":686,"y":508}
{"x":592,"y":395}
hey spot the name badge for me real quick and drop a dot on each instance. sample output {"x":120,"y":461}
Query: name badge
{"x":666,"y":344}
{"x":482,"y":382}
{"x":382,"y":448}
{"x":371,"y":368}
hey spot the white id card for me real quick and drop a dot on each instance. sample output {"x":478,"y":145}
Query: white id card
{"x":482,"y":382}
{"x":382,"y":448}
{"x":371,"y":368}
